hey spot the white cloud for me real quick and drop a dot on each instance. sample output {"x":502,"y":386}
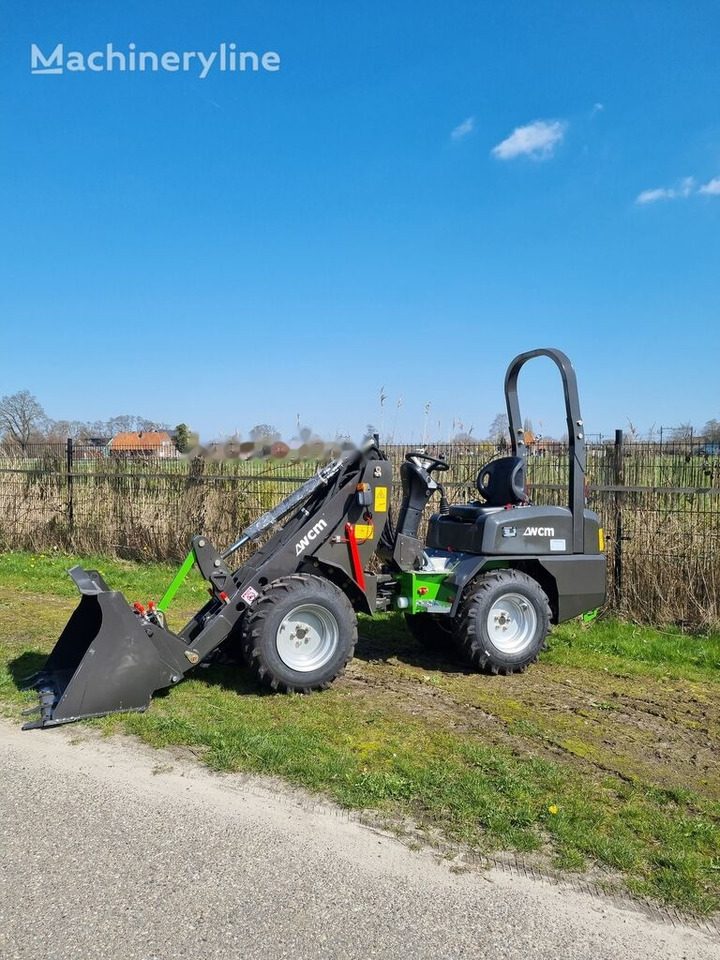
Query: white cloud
{"x":686,"y":188}
{"x":652,"y":196}
{"x":461,"y":131}
{"x":537,"y":140}
{"x":712,"y":187}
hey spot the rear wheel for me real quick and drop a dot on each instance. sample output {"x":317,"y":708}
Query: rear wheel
{"x":433,"y":631}
{"x":299,"y":634}
{"x":503,"y":622}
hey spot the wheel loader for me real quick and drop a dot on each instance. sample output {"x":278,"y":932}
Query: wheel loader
{"x":491,"y":578}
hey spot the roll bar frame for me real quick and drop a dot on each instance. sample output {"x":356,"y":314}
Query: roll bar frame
{"x":575,"y":428}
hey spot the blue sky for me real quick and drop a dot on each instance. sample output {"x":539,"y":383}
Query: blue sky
{"x":420,"y":192}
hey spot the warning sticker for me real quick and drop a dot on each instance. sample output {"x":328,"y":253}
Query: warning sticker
{"x":250,"y":595}
{"x":380,"y":499}
{"x":364,"y":531}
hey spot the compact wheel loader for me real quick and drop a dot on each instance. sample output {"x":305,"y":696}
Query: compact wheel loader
{"x":490,"y":578}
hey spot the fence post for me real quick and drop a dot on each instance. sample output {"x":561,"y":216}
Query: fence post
{"x":618,"y":549}
{"x":69,"y":475}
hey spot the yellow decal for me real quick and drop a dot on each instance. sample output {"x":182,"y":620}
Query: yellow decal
{"x":380,"y":499}
{"x":364,"y":531}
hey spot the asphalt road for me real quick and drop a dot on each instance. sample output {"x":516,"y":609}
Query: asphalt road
{"x":109,"y":849}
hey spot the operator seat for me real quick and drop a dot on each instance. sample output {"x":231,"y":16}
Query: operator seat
{"x":500,"y":483}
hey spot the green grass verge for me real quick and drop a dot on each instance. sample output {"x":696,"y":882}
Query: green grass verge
{"x":600,"y":757}
{"x":47,"y":574}
{"x":630,"y":648}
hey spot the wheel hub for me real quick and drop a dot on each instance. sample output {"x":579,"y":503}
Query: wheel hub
{"x":307,"y":638}
{"x":512,"y":623}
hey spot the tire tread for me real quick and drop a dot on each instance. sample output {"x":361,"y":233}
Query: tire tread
{"x":255,"y":625}
{"x":466,"y":636}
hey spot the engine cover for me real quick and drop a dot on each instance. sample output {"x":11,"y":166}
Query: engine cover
{"x":519,"y":531}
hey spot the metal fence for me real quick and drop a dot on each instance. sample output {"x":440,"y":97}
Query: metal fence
{"x":659,"y":504}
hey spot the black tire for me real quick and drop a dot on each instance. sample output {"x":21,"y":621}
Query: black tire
{"x":519,"y":612}
{"x":433,"y":631}
{"x":313,"y":611}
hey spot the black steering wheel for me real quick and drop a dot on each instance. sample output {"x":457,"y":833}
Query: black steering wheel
{"x":428,"y":461}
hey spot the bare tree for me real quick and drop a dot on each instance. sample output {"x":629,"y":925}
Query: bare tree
{"x":125,"y":423}
{"x":500,"y":429}
{"x":21,"y":416}
{"x":130,"y":423}
{"x":150,"y":426}
{"x":264,"y":432}
{"x":711,"y":431}
{"x":683,"y":432}
{"x":59,"y":430}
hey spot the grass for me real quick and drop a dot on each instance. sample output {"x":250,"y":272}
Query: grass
{"x":602,"y":758}
{"x":46,"y":574}
{"x":637,"y":649}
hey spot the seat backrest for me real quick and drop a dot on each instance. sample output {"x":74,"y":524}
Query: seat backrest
{"x":503,"y":481}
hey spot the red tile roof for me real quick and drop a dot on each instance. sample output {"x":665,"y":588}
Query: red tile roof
{"x":144,"y":440}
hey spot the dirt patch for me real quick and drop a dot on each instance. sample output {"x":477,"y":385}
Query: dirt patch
{"x":640,"y":729}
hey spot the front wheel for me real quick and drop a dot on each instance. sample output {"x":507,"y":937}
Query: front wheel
{"x":503,"y":622}
{"x":299,"y":634}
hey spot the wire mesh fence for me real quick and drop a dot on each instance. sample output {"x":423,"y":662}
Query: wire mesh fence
{"x":659,"y":504}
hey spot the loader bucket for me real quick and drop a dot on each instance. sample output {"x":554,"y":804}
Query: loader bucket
{"x":105,"y":660}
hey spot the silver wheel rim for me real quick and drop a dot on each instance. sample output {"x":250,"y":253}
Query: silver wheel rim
{"x":512,"y":623}
{"x":307,"y":638}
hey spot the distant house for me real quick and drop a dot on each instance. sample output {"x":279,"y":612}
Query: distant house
{"x":90,"y":448}
{"x":150,"y":443}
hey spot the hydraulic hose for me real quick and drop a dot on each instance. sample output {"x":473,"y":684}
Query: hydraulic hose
{"x":296,"y":498}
